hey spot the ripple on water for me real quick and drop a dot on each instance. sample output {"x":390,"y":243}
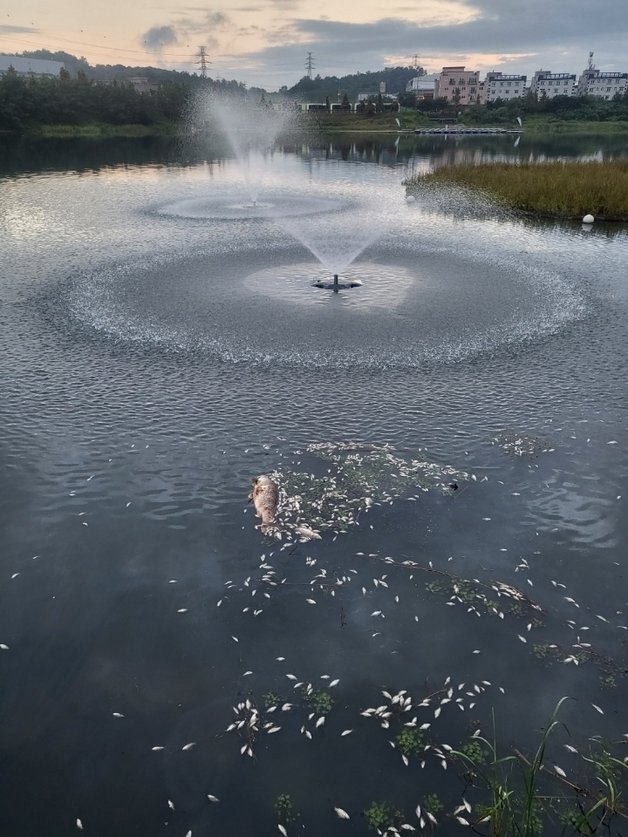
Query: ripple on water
{"x":418,"y":306}
{"x":226,"y":208}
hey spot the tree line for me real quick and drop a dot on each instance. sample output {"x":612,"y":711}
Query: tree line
{"x":319,"y":89}
{"x":27,"y":102}
{"x":569,"y":108}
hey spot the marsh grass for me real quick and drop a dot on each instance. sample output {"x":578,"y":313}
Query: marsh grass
{"x":523,"y":794}
{"x":564,"y":190}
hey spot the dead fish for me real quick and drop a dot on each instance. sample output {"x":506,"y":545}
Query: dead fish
{"x":265,"y":498}
{"x":307,"y":533}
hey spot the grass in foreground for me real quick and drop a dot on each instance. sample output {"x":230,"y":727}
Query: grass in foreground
{"x":563,"y":190}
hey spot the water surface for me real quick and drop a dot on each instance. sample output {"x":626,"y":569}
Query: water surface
{"x":155,"y":359}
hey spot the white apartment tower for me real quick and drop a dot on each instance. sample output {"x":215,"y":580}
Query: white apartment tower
{"x":600,"y":83}
{"x":502,"y":86}
{"x":547,"y":84}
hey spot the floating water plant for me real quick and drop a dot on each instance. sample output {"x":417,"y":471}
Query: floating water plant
{"x":284,"y":809}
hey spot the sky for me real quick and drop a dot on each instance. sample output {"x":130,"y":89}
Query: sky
{"x":266,"y":43}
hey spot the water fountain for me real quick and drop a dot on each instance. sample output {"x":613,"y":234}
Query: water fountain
{"x":347,"y":225}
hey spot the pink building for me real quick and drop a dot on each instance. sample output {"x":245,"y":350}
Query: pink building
{"x":457,"y":85}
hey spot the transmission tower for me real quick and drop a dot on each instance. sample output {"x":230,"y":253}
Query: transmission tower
{"x":309,"y":64}
{"x":203,"y":61}
{"x":415,"y":61}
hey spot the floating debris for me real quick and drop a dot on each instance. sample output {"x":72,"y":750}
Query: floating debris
{"x":519,"y":444}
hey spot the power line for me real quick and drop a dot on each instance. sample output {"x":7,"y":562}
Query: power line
{"x":99,"y":46}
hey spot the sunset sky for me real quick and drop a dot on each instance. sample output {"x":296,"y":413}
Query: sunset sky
{"x":266,"y":42}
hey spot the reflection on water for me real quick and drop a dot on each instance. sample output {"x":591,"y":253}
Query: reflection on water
{"x":453,"y":431}
{"x":24,"y":154}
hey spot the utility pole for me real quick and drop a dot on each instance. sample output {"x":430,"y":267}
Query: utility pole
{"x":203,"y":61}
{"x":309,"y":64}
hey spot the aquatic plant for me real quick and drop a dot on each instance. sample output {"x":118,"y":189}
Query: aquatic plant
{"x":410,"y":741}
{"x":284,"y":808}
{"x":382,"y":816}
{"x":526,"y":793}
{"x":320,"y":701}
{"x":568,"y":190}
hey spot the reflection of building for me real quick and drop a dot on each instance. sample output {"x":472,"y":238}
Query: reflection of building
{"x":458,"y":85}
{"x":605,"y":85}
{"x":502,"y":86}
{"x":423,"y":86}
{"x":30,"y":66}
{"x":547,"y":84}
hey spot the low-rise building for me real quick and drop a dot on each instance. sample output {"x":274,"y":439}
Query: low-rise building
{"x":502,"y":86}
{"x":141,"y":84}
{"x":25,"y":66}
{"x":458,"y":85}
{"x":546,"y":84}
{"x":601,"y":83}
{"x":424,"y":87}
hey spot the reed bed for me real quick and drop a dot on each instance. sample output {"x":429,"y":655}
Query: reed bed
{"x":565,"y":190}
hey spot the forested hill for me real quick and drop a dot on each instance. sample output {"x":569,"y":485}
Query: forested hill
{"x":307,"y":89}
{"x":114,"y":72}
{"x":317,"y":89}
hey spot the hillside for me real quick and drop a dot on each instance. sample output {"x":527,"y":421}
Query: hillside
{"x":305,"y":90}
{"x":318,"y":89}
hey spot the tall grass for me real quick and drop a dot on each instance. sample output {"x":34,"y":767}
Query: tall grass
{"x":567,"y":190}
{"x":521,"y":795}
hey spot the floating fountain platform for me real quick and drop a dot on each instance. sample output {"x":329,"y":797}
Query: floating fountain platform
{"x":335,"y":285}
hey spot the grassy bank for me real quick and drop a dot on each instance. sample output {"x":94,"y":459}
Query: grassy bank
{"x":551,"y":125}
{"x":330,"y":123}
{"x":560,"y":190}
{"x":99,"y":130}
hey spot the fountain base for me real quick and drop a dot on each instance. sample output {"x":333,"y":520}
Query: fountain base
{"x":335,"y":285}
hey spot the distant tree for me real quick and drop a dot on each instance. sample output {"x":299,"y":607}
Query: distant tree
{"x":408,"y":100}
{"x":327,"y":104}
{"x":346,"y":104}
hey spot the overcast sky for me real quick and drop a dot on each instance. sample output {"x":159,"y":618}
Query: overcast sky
{"x":266,"y":42}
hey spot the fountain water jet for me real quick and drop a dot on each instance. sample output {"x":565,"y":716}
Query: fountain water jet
{"x":251,"y":129}
{"x":337,"y":239}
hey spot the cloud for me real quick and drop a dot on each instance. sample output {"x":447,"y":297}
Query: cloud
{"x":216,"y":19}
{"x":155,"y":39}
{"x":6,"y":27}
{"x":495,"y":34}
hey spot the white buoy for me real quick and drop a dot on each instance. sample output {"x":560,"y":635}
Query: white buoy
{"x":588,"y":219}
{"x":410,"y":199}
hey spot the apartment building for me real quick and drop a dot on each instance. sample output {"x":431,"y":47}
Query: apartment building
{"x":601,"y":83}
{"x":457,"y":85}
{"x":547,"y":84}
{"x":502,"y":86}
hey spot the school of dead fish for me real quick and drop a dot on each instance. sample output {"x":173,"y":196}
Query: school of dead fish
{"x":330,"y":506}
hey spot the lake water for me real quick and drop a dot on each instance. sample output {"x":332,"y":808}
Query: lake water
{"x":454,"y":430}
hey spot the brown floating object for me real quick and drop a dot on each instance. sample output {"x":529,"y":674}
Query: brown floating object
{"x":265,"y":497}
